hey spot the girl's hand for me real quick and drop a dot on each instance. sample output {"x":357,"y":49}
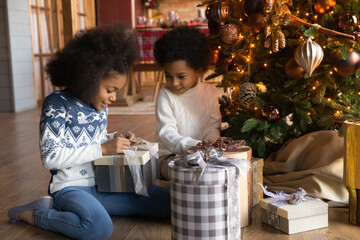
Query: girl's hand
{"x":129,"y":135}
{"x":115,"y":146}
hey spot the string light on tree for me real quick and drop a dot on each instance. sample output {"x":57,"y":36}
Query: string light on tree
{"x":303,"y":76}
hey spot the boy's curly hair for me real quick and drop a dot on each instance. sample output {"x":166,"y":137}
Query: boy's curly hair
{"x":92,"y":55}
{"x":183,"y":43}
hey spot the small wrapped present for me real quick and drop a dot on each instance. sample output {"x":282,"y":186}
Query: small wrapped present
{"x":352,"y":168}
{"x":205,"y":196}
{"x":257,"y":165}
{"x":294,"y":213}
{"x":235,"y":149}
{"x":133,"y":171}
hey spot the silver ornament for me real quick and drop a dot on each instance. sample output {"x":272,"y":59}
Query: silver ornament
{"x":309,"y":55}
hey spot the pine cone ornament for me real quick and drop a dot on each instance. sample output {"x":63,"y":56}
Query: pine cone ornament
{"x":247,"y":93}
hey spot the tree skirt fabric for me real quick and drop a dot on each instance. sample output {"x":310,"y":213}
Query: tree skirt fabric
{"x":314,"y":162}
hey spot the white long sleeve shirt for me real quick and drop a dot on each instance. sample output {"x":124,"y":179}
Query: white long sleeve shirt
{"x":184,"y":120}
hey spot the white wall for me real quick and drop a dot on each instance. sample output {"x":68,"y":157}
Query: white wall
{"x":20,"y":59}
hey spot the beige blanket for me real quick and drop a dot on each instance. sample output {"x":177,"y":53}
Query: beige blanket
{"x":313,"y":162}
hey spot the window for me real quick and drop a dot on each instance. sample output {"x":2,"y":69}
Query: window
{"x":53,"y":22}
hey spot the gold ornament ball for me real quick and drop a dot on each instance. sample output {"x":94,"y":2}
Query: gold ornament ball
{"x":349,"y":66}
{"x":293,"y":69}
{"x":324,"y":6}
{"x":271,"y":112}
{"x":229,"y":33}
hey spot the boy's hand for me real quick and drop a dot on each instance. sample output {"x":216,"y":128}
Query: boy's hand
{"x":115,"y":146}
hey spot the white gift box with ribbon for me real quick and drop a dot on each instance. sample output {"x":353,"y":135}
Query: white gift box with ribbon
{"x":293,"y":218}
{"x":133,"y":171}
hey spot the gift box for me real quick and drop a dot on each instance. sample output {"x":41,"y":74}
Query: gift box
{"x":246,"y":185}
{"x":257,"y":165}
{"x":205,"y":201}
{"x":294,"y":218}
{"x":352,"y":168}
{"x":114,"y":173}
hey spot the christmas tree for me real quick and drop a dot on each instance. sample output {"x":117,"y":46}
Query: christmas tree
{"x":288,"y":67}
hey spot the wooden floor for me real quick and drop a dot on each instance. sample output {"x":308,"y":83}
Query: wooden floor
{"x":22,"y":179}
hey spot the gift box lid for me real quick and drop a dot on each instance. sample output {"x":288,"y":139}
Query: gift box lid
{"x":308,"y":208}
{"x":142,"y":155}
{"x":243,"y":153}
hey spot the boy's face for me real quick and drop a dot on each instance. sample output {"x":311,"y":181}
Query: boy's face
{"x":180,"y":77}
{"x":109,"y":87}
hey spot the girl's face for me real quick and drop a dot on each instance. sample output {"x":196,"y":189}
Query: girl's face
{"x":180,"y":77}
{"x":109,"y":87}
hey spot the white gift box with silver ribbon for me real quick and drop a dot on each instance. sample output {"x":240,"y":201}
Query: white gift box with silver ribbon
{"x":133,"y":171}
{"x":293,"y":218}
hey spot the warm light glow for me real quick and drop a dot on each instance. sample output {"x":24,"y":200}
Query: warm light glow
{"x":232,"y":55}
{"x":252,"y":45}
{"x":324,"y":46}
{"x":248,"y":59}
{"x":329,"y":99}
{"x":265,"y":64}
{"x":270,"y":52}
{"x":219,"y":47}
{"x":256,"y":108}
{"x":307,"y":14}
{"x":358,"y":93}
{"x":331,"y":72}
{"x":313,"y":87}
{"x":332,"y":12}
{"x":240,"y":19}
{"x":309,"y":113}
{"x":242,"y":71}
{"x":348,"y":107}
{"x":315,"y":16}
{"x":337,"y":114}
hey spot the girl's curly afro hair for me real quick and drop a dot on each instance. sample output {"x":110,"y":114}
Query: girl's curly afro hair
{"x":183,"y":43}
{"x":92,"y":55}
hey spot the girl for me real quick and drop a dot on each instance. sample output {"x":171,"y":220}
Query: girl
{"x":187,"y":110}
{"x":91,"y":69}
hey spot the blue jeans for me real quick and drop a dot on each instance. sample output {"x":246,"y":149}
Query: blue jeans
{"x":83,"y":212}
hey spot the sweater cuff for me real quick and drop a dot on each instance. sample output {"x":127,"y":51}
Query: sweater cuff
{"x":190,"y":142}
{"x":96,"y":151}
